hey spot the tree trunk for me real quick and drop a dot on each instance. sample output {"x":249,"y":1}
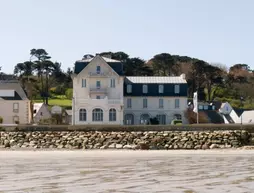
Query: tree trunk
{"x":42,"y":88}
{"x":47,"y":88}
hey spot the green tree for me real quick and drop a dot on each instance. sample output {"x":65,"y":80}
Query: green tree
{"x":163,"y":64}
{"x":136,"y":67}
{"x":41,"y":66}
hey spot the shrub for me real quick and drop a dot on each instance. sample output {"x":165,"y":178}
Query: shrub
{"x":154,"y":121}
{"x":48,"y":121}
{"x":192,"y":117}
{"x":1,"y":120}
{"x":59,"y":90}
{"x":69,"y":93}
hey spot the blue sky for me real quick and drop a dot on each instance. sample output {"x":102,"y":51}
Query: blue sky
{"x":218,"y":31}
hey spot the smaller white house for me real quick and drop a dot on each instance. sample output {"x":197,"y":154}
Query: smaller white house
{"x":40,"y":111}
{"x":248,"y":117}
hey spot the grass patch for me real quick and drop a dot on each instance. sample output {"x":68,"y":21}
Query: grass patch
{"x":58,"y":102}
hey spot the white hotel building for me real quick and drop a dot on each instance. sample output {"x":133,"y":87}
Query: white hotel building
{"x":103,"y":95}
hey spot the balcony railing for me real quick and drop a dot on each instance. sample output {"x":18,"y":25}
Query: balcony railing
{"x":98,"y":90}
{"x":98,"y":74}
{"x":103,"y":101}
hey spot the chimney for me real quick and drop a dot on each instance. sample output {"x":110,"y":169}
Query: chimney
{"x":183,"y":76}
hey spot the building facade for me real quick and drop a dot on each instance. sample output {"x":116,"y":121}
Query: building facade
{"x":102,"y":95}
{"x":14,"y":105}
{"x":97,"y":91}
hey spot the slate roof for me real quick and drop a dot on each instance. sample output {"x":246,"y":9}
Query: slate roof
{"x":229,"y":118}
{"x":155,"y":80}
{"x":13,"y":85}
{"x":104,"y":58}
{"x":214,"y":117}
{"x":238,"y":111}
{"x":116,"y":65}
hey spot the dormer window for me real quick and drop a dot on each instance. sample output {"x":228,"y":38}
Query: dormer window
{"x":145,"y":88}
{"x":161,"y":88}
{"x":129,"y":88}
{"x":98,"y":69}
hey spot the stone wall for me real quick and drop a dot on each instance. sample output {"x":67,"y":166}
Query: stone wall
{"x":125,"y":140}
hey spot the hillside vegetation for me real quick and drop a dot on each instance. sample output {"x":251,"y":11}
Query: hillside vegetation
{"x":46,"y":81}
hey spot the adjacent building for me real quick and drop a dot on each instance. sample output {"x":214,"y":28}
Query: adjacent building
{"x":40,"y":112}
{"x":14,"y":104}
{"x":102,"y":95}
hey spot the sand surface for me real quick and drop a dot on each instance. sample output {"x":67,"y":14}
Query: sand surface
{"x":127,"y":171}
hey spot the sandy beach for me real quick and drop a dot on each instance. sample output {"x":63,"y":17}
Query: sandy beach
{"x":127,"y":171}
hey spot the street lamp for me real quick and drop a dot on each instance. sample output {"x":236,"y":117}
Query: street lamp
{"x":241,"y":99}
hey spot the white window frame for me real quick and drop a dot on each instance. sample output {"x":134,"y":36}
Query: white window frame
{"x":112,"y":83}
{"x":15,"y":107}
{"x":145,"y":88}
{"x":112,"y":114}
{"x":97,"y":115}
{"x":129,"y":88}
{"x":161,"y":88}
{"x":98,"y":86}
{"x":98,"y":69}
{"x":145,"y":103}
{"x":161,"y":103}
{"x":177,"y":88}
{"x":82,"y":114}
{"x":177,"y":104}
{"x":129,"y":105}
{"x":83,"y":83}
{"x":161,"y":118}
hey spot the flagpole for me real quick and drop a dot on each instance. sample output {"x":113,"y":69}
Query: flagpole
{"x":197,"y":109}
{"x":197,"y":102}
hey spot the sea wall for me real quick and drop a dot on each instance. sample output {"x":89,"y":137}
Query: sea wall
{"x":125,"y":139}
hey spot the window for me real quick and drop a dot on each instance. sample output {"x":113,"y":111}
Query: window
{"x":112,"y":115}
{"x":16,"y":119}
{"x":177,"y":88}
{"x":41,"y":113}
{"x":83,"y":83}
{"x":97,"y":114}
{"x":82,"y":115}
{"x":205,"y":107}
{"x":161,"y":88}
{"x":177,"y":103}
{"x":145,"y":89}
{"x":128,"y":103}
{"x":129,"y":88}
{"x":144,"y":103}
{"x":144,"y":119}
{"x":15,"y":107}
{"x":178,"y":116}
{"x":98,"y":69}
{"x":98,"y":97}
{"x":112,"y":83}
{"x":162,"y":119}
{"x":98,"y":84}
{"x":161,"y":103}
{"x":129,"y":119}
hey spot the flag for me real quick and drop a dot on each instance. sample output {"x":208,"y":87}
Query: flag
{"x":195,"y":102}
